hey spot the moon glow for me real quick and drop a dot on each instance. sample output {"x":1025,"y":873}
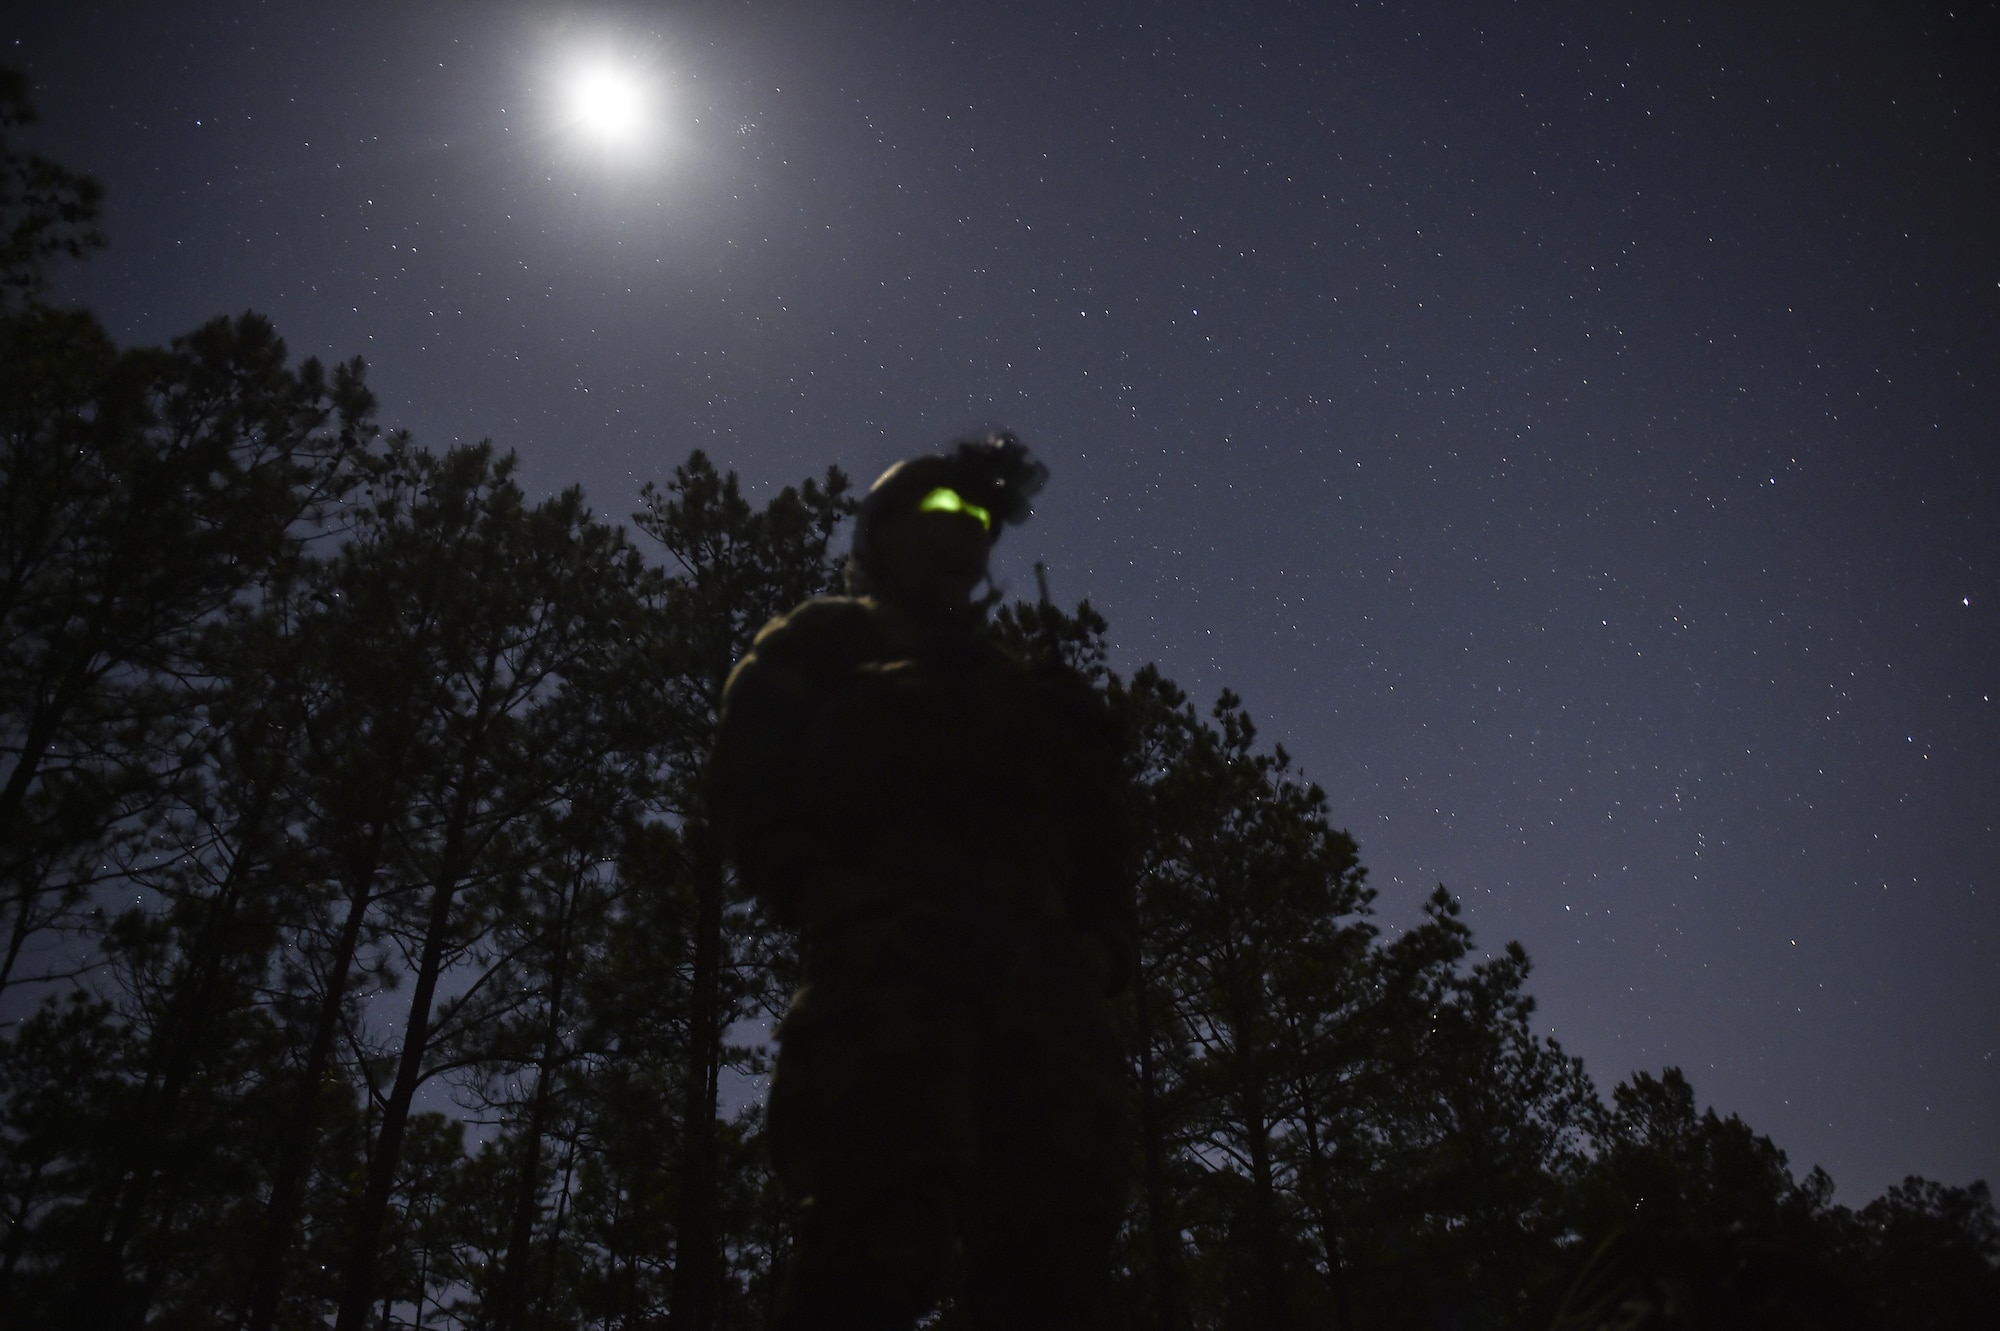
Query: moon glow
{"x":606,"y":105}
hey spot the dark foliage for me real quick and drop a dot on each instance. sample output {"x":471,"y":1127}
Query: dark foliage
{"x":47,"y":211}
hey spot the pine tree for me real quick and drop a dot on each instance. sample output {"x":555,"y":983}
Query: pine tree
{"x":151,"y":499}
{"x":732,"y":568}
{"x":146,"y":492}
{"x":504,"y":603}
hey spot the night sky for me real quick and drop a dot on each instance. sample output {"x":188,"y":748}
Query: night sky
{"x":1572,"y":431}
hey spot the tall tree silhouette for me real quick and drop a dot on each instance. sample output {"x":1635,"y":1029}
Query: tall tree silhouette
{"x":1255,"y":879}
{"x":1465,"y":1133}
{"x":146,"y":491}
{"x":152,"y":498}
{"x":502,"y":601}
{"x":731,"y":568}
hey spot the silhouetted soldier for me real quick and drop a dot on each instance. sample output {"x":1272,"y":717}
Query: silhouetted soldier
{"x":943,"y":825}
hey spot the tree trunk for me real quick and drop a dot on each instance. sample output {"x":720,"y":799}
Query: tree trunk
{"x":41,"y":733}
{"x":1264,"y":1225}
{"x":521,"y":1233}
{"x":693,"y":1297}
{"x":1162,"y":1229}
{"x":17,"y":1224}
{"x":176,"y":1050}
{"x":366,"y":1237}
{"x":1322,"y":1205}
{"x":288,"y":1181}
{"x":301,"y":1139}
{"x":17,"y":936}
{"x":358,"y":1286}
{"x":1256,"y":1122}
{"x":556,"y":1233}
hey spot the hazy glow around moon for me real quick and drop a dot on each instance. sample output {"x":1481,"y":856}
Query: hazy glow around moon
{"x":608,"y":105}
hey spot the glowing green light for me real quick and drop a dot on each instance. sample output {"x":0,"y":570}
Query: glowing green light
{"x":943,"y":500}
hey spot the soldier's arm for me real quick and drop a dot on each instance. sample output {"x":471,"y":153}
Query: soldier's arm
{"x":1105,"y":906}
{"x":1103,"y":899}
{"x":767,"y":706}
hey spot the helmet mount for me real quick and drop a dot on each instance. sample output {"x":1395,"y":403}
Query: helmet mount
{"x":990,"y":477}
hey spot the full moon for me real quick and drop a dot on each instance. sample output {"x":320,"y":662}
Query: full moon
{"x":607,"y":104}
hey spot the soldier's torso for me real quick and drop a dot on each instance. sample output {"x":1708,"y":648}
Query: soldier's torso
{"x":929,"y":738}
{"x":858,"y":737}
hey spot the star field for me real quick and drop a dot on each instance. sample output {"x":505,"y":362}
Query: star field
{"x":1573,"y":432}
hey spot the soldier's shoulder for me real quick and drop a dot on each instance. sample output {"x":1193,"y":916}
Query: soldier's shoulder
{"x":834,"y":626}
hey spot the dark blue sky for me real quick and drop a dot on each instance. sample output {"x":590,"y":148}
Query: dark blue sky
{"x":1572,"y":431}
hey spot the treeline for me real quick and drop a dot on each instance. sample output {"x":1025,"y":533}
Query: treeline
{"x":369,"y":958}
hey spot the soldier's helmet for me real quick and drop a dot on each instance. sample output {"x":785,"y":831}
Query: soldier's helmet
{"x":992,"y":476}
